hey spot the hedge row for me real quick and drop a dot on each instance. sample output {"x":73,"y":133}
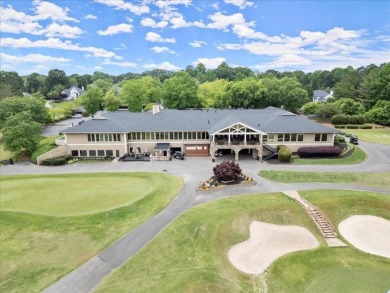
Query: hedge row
{"x":284,"y":153}
{"x":353,"y":126}
{"x":319,"y":152}
{"x":348,"y":119}
{"x":56,"y":161}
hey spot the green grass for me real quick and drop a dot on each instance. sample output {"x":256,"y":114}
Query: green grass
{"x":356,"y":157}
{"x":63,"y":110}
{"x":62,"y":196}
{"x":381,"y":180}
{"x":381,"y":135}
{"x":4,"y":155}
{"x":191,"y":254}
{"x":36,"y":250}
{"x":45,"y":145}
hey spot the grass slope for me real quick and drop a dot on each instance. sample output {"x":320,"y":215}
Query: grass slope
{"x":45,"y":145}
{"x":381,"y":180}
{"x":36,"y":250}
{"x":381,"y":135}
{"x":191,"y":254}
{"x":357,"y":157}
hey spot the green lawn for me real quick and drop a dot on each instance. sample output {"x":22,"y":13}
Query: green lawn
{"x":191,"y":254}
{"x":4,"y":155}
{"x":63,"y":110}
{"x":357,"y":157}
{"x":381,"y":135}
{"x":60,"y":227}
{"x":381,"y":180}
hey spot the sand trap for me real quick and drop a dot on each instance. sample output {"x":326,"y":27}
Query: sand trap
{"x":266,"y":243}
{"x":368,"y":233}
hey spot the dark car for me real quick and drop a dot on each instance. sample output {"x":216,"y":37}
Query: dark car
{"x":178,"y":155}
{"x":354,"y":139}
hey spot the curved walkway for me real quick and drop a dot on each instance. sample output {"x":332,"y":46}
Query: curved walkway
{"x":89,"y":275}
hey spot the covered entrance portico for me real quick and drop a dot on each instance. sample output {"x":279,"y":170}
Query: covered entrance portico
{"x":237,"y":137}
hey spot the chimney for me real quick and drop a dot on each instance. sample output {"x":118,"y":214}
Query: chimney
{"x":156,"y":109}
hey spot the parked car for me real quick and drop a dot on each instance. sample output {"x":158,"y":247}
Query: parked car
{"x":354,"y":139}
{"x":218,"y":154}
{"x":77,"y":116}
{"x":178,"y":155}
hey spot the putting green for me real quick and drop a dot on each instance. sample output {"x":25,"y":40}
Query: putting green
{"x":76,"y":194}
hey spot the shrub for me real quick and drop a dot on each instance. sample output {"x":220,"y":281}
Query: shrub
{"x":365,"y":127}
{"x":319,"y":152}
{"x":56,"y":161}
{"x":348,"y":119}
{"x":339,"y":126}
{"x":227,"y":171}
{"x":281,"y":146}
{"x":284,"y":154}
{"x":348,"y":135}
{"x":352,"y":126}
{"x":339,"y":139}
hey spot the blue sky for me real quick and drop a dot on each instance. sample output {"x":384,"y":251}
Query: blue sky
{"x":118,"y":36}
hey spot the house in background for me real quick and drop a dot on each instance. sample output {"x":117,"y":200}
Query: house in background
{"x":321,"y":96}
{"x":72,"y":93}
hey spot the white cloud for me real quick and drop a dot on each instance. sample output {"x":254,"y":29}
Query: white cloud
{"x":221,"y":21}
{"x":16,"y":22}
{"x":240,"y":3}
{"x":198,"y":44}
{"x":122,"y":5}
{"x":90,"y":16}
{"x":122,"y":47}
{"x":63,"y":31}
{"x":153,"y":37}
{"x":167,"y":3}
{"x":148,"y":22}
{"x":32,"y":58}
{"x":164,"y":66}
{"x":121,"y":64}
{"x":97,"y":67}
{"x":116,"y":29}
{"x":210,"y":63}
{"x":157,"y":49}
{"x":48,"y":10}
{"x":55,"y":43}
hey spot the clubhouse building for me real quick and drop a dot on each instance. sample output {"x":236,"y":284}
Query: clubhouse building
{"x":160,"y":132}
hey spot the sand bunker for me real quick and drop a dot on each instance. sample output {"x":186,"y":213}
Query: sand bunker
{"x":368,"y":233}
{"x":266,"y":243}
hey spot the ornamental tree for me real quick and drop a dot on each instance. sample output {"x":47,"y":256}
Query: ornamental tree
{"x":227,"y":171}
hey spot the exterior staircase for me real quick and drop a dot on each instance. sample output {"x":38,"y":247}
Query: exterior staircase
{"x":319,"y":218}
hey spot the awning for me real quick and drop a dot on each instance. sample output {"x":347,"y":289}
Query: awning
{"x":162,"y":146}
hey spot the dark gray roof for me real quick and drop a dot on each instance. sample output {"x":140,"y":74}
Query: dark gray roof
{"x":269,"y":120}
{"x":97,"y":125}
{"x":162,"y":146}
{"x":320,"y":93}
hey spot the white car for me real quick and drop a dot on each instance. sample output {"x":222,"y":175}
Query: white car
{"x":77,"y":116}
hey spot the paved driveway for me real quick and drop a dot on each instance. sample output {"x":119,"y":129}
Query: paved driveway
{"x":194,"y":171}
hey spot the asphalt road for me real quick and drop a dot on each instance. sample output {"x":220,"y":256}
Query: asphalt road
{"x":194,"y":171}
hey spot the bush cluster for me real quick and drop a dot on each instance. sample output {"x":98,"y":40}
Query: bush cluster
{"x":319,"y":152}
{"x":56,"y":161}
{"x":365,"y":127}
{"x":339,"y":139}
{"x":352,"y":126}
{"x":227,"y":171}
{"x":284,"y":154}
{"x":348,"y":119}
